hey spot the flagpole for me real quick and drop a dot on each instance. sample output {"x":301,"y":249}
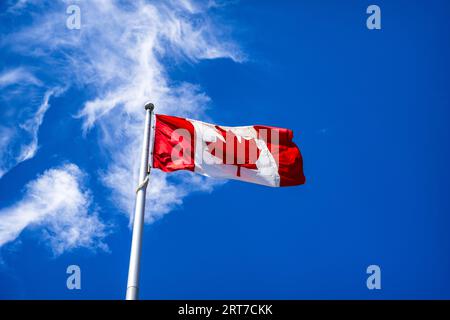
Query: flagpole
{"x":138,"y":220}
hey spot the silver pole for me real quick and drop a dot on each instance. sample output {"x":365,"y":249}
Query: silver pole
{"x":138,"y":221}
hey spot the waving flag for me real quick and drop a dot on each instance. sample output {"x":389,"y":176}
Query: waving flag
{"x":257,"y":154}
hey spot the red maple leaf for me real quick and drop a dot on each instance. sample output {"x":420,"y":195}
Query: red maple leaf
{"x":243,"y":153}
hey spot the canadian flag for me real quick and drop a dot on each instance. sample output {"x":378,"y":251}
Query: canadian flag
{"x":258,"y":154}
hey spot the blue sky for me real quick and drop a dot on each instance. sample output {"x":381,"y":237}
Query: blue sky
{"x":369,"y":110}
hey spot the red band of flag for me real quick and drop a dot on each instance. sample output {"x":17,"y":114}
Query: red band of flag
{"x":257,"y":154}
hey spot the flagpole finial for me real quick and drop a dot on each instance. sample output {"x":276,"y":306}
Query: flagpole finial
{"x":149,"y":106}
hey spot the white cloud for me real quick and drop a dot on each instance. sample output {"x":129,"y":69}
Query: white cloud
{"x":122,"y":52}
{"x":18,"y":76}
{"x":58,"y":203}
{"x":33,"y":124}
{"x":17,"y":5}
{"x":19,"y":136}
{"x":15,"y":85}
{"x":6,"y":135}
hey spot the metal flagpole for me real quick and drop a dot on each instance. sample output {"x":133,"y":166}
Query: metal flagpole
{"x":138,"y":221}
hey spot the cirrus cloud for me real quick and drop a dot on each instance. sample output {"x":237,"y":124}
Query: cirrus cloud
{"x":122,"y":53}
{"x":58,"y":203}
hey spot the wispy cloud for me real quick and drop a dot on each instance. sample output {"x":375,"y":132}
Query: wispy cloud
{"x":6,"y":135}
{"x":33,"y":124}
{"x":24,"y":100}
{"x":17,"y":5}
{"x":122,"y":52}
{"x":58,"y":203}
{"x":19,"y":130}
{"x":18,"y":76}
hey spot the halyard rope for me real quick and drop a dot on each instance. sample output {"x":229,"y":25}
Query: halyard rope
{"x":144,"y":183}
